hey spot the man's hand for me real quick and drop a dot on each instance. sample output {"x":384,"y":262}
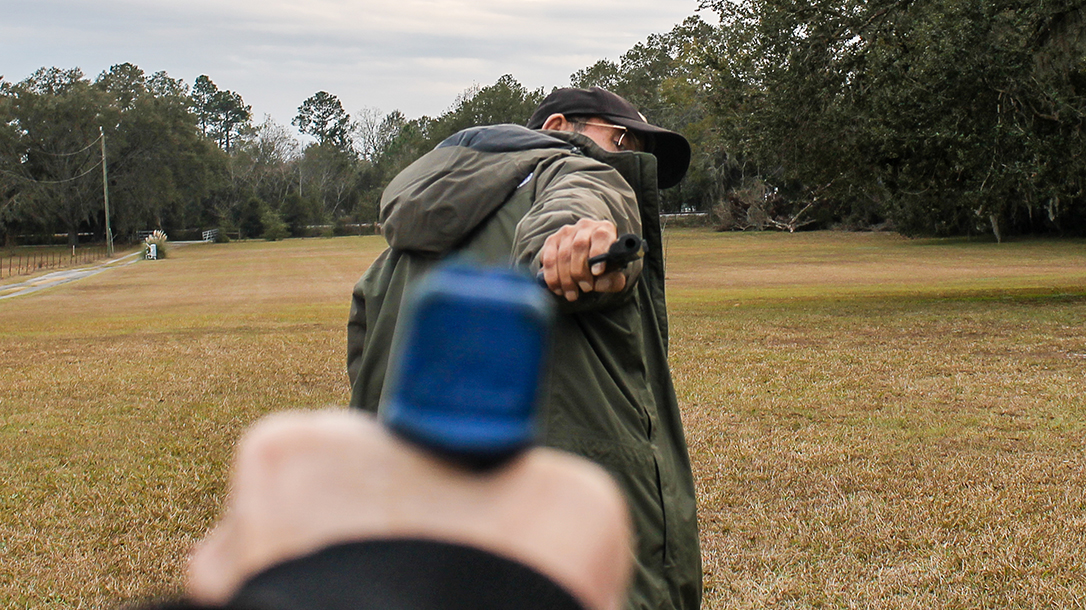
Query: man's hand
{"x":565,"y":259}
{"x":305,"y":481}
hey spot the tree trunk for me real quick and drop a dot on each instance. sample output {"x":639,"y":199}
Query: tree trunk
{"x":995,"y":228}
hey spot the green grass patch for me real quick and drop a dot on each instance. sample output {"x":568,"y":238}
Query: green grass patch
{"x":873,"y":421}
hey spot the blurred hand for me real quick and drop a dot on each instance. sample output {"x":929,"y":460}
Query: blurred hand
{"x":304,"y":481}
{"x":565,"y":259}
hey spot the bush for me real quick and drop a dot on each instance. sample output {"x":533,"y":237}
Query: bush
{"x":158,"y":239}
{"x":274,"y":226}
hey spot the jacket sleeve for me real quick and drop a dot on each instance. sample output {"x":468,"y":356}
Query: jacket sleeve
{"x":356,"y":336}
{"x":568,"y":189}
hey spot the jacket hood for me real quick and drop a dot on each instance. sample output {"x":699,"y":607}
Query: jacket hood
{"x":443,"y":196}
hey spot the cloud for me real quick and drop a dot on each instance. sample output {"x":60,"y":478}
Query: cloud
{"x":412,"y":55}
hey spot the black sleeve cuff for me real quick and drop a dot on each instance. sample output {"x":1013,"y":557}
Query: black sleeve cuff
{"x":402,"y":574}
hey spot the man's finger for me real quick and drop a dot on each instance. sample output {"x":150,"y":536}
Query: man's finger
{"x":614,"y":281}
{"x":549,"y":261}
{"x":565,"y":277}
{"x":579,"y":255}
{"x":602,"y":238}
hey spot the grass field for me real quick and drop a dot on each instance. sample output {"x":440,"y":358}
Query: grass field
{"x":874,"y":422}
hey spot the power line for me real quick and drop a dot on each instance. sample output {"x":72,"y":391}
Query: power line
{"x":72,"y":179}
{"x":84,"y":149}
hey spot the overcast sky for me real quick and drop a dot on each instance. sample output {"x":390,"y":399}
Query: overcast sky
{"x":411,"y":55}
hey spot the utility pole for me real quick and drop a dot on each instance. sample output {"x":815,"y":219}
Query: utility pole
{"x":105,"y":194}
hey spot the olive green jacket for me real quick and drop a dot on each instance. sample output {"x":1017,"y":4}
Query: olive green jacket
{"x":495,"y":194}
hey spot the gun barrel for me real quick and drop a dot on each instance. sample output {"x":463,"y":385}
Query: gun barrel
{"x":626,"y":249}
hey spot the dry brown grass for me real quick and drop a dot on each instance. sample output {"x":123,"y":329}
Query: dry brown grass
{"x":707,"y":266}
{"x":874,"y":422}
{"x":123,"y":393}
{"x":856,"y":446}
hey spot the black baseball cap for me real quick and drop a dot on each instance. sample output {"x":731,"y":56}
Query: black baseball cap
{"x":671,"y":149}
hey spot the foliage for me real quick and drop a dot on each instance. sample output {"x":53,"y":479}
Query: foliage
{"x":322,"y":116}
{"x":161,"y":169}
{"x":372,"y":133}
{"x":54,"y":116}
{"x":250,"y":218}
{"x":506,"y":101}
{"x":330,"y":174}
{"x":274,"y":226}
{"x":299,"y":213}
{"x":929,"y":117}
{"x":262,"y":165}
{"x":157,"y":239}
{"x":664,"y":77}
{"x":940,"y":116}
{"x":222,"y":115}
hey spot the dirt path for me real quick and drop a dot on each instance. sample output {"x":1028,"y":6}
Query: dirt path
{"x":64,"y":276}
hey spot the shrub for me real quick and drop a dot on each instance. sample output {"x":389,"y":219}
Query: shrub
{"x":274,"y":226}
{"x":158,"y":239}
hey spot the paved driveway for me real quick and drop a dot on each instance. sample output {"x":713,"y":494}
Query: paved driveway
{"x":64,"y":276}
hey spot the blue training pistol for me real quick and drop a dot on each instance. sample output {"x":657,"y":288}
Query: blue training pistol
{"x":467,"y":364}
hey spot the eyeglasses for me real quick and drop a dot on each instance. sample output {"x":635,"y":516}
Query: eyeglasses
{"x":622,"y":143}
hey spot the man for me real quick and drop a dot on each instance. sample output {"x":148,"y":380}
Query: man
{"x":549,"y":197}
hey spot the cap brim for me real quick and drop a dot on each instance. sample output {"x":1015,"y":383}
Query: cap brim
{"x":672,"y":150}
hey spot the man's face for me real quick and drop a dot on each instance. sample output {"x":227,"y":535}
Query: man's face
{"x":609,"y":136}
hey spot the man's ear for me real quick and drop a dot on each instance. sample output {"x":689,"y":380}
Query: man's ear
{"x":557,"y":122}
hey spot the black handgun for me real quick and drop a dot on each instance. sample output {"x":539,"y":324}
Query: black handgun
{"x":625,"y":250}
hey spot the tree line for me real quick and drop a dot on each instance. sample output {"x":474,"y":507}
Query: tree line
{"x":927,"y":117}
{"x":183,"y":158}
